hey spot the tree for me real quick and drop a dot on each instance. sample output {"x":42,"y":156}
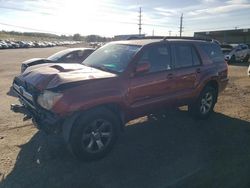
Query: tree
{"x":77,"y":37}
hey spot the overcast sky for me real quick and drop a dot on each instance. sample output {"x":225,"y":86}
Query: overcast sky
{"x":113,"y":17}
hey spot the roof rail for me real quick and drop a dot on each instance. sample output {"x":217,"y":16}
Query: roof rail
{"x":146,"y":37}
{"x":189,"y":38}
{"x":171,"y":37}
{"x":165,"y":38}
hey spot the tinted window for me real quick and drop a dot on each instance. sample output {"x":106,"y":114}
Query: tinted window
{"x":183,"y":56}
{"x":72,"y":55}
{"x":84,"y":54}
{"x":158,"y":57}
{"x":213,"y":51}
{"x":196,"y":59}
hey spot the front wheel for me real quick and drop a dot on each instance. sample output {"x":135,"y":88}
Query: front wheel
{"x":204,"y":105}
{"x":94,"y":134}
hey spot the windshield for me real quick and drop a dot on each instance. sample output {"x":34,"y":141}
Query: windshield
{"x":112,"y":57}
{"x":58,"y":55}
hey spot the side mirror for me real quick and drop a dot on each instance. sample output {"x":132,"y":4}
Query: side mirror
{"x":142,"y":67}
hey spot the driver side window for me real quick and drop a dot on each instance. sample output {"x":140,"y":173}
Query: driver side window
{"x":70,"y":57}
{"x":158,"y":56}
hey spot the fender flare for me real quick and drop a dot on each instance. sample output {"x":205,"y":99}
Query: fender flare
{"x":67,"y":126}
{"x":68,"y":123}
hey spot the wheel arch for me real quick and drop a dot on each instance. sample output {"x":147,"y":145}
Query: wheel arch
{"x":68,"y":123}
{"x":214,"y":84}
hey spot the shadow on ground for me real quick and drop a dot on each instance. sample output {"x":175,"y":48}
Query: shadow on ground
{"x":172,"y":151}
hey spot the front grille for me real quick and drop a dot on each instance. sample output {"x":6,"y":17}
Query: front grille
{"x":26,"y":92}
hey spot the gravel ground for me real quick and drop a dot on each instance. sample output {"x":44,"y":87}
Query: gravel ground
{"x":172,"y":150}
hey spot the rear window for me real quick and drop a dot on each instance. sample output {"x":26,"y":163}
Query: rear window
{"x":213,"y":51}
{"x":185,"y":56}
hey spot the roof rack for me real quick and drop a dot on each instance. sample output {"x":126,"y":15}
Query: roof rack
{"x":173,"y":37}
{"x":146,"y":37}
{"x":189,"y":38}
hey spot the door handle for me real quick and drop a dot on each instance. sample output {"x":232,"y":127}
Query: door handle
{"x":170,"y":76}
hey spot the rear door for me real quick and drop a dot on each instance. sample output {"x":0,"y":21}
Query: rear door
{"x":187,"y":66}
{"x":153,"y":89}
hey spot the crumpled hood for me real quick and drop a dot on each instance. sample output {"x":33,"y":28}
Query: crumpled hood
{"x":48,"y":76}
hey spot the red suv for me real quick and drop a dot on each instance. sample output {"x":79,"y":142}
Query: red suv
{"x":89,"y":103}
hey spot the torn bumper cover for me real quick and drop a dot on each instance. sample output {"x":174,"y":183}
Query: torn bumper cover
{"x":42,"y":119}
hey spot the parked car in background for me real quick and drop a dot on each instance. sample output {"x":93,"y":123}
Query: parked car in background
{"x":70,"y":55}
{"x":4,"y":45}
{"x":240,"y":53}
{"x":226,"y":49}
{"x":11,"y":44}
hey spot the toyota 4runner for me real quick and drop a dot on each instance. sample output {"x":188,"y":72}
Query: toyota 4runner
{"x":89,"y":103}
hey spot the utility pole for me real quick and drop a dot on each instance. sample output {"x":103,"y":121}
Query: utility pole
{"x":140,"y":21}
{"x":169,"y":33}
{"x":181,"y":23}
{"x":153,"y":32}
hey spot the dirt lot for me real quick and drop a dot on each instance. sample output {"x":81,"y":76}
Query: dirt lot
{"x":171,"y":151}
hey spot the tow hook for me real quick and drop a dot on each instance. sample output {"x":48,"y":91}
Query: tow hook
{"x":21,"y":109}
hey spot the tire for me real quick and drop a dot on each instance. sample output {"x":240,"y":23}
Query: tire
{"x":94,"y":134}
{"x":204,"y":105}
{"x":245,"y":60}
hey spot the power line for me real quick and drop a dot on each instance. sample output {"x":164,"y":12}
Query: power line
{"x":218,"y":28}
{"x":24,"y":10}
{"x":233,"y":15}
{"x":159,"y":25}
{"x":28,"y":28}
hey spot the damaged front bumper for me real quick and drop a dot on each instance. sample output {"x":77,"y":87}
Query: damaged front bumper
{"x":21,"y":109}
{"x":42,"y":119}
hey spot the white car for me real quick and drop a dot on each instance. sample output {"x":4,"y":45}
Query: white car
{"x":239,"y":53}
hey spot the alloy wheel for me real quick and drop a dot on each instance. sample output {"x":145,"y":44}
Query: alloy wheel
{"x":206,"y":103}
{"x":97,"y":135}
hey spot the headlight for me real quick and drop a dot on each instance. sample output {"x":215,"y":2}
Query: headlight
{"x":48,"y":98}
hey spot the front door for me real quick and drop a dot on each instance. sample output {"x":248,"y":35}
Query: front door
{"x":153,"y":89}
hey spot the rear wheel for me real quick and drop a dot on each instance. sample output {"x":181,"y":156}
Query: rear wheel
{"x":204,"y":105}
{"x":94,"y":134}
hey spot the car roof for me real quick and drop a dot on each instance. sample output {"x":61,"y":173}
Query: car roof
{"x":77,"y":49}
{"x":143,"y":42}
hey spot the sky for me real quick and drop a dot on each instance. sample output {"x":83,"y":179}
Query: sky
{"x":117,"y":17}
